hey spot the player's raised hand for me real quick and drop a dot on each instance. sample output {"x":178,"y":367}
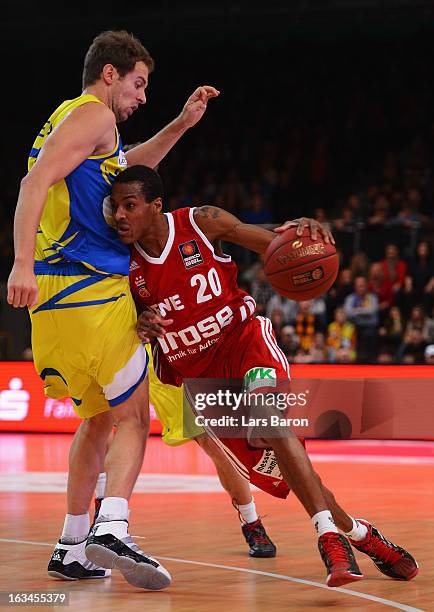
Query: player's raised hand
{"x":196,"y":104}
{"x":314,"y":226}
{"x":22,"y":287}
{"x":150,"y":325}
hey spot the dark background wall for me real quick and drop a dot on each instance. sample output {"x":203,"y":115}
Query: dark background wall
{"x":321,"y":99}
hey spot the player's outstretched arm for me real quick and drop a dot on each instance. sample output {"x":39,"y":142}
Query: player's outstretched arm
{"x":218,"y":224}
{"x":151,"y":152}
{"x":77,"y":137}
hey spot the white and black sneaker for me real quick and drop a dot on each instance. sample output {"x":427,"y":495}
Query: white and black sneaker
{"x":139,"y":569}
{"x":69,"y":562}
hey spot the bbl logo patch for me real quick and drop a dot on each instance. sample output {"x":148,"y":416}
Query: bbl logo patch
{"x":140,"y":283}
{"x":305,"y":278}
{"x":191,"y":256}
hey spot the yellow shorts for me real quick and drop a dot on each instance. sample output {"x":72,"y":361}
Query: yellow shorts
{"x":83,"y":337}
{"x":168,"y":401}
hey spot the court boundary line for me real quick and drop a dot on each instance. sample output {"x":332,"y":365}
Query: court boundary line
{"x":381,"y":600}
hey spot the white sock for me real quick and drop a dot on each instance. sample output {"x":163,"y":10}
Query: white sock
{"x":323,"y":522}
{"x":114,"y":508}
{"x":116,"y":528}
{"x":75,"y":528}
{"x":248,"y":512}
{"x":100,"y":485}
{"x":358,"y":532}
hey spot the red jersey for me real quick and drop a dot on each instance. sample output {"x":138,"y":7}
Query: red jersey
{"x":197,"y":288}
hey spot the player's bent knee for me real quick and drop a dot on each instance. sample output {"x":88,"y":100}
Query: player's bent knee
{"x":139,"y":417}
{"x":102,"y":422}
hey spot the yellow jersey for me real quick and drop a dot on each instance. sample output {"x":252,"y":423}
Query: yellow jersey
{"x":73,"y":227}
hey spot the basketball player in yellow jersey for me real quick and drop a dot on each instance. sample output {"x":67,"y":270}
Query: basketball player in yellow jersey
{"x":71,"y":271}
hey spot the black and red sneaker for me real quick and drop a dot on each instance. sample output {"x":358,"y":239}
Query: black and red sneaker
{"x":390,"y":559}
{"x":339,"y":559}
{"x":97,"y":502}
{"x":259,"y":543}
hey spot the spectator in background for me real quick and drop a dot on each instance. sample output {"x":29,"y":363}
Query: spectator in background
{"x":404,"y":298}
{"x":392,"y":331}
{"x":316,"y":353}
{"x":418,"y":320}
{"x":232,"y":194}
{"x":256,"y":212}
{"x":346,"y":222}
{"x":359,"y":265}
{"x":413,"y":349}
{"x":320,"y":215}
{"x":287,"y":307}
{"x":305,"y":324}
{"x":354,"y":203}
{"x":277,"y":321}
{"x":27,"y":354}
{"x":429,"y":354}
{"x":318,"y":350}
{"x":261,"y":290}
{"x":394,"y":268}
{"x":288,"y":341}
{"x":380,"y":215}
{"x":319,"y":309}
{"x":340,"y":290}
{"x":430,"y":328}
{"x":410,"y":216}
{"x":361,"y":307}
{"x":381,"y":287}
{"x":421,"y":273}
{"x":341,"y":338}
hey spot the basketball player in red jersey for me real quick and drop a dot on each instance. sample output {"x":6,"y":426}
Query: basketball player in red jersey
{"x":213,"y":333}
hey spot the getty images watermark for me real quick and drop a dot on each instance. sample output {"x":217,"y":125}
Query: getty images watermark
{"x":396,"y":407}
{"x":246,"y":404}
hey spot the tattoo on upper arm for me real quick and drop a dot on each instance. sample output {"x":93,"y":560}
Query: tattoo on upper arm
{"x":208,"y":212}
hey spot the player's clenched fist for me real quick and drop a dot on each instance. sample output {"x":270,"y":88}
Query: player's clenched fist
{"x":22,"y":287}
{"x":150,"y":325}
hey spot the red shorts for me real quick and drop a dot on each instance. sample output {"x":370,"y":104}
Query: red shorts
{"x":251,"y":345}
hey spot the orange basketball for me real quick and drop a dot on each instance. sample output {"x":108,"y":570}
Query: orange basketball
{"x":300,"y":268}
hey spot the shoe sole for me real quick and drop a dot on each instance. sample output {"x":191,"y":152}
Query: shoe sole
{"x":338,"y":579}
{"x":142,"y":575}
{"x":413,"y":574}
{"x":64,"y":577}
{"x":259,"y":555}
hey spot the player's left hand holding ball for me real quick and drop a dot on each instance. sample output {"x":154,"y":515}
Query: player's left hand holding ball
{"x":195,"y":106}
{"x":314,"y":227}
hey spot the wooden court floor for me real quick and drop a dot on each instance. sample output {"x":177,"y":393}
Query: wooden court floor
{"x":188,"y":523}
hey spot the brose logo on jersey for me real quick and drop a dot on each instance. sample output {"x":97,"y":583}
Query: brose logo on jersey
{"x":260,"y":377}
{"x":190,"y":253}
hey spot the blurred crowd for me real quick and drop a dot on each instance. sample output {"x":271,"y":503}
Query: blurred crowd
{"x":343,"y":134}
{"x":376,"y":312}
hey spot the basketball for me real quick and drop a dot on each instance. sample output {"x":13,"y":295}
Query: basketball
{"x":300,"y":268}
